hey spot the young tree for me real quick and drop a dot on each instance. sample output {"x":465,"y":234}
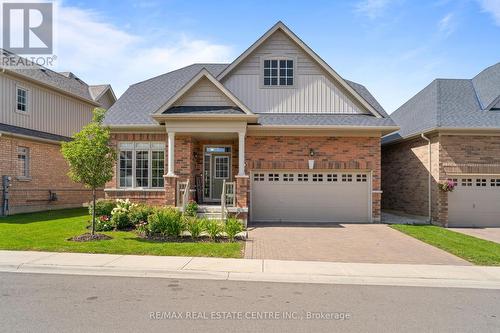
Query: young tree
{"x":90,"y":157}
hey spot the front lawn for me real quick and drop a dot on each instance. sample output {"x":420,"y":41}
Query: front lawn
{"x":475,"y":250}
{"x":49,"y":231}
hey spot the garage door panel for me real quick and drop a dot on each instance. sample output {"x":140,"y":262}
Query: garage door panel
{"x":310,"y":197}
{"x":475,"y":202}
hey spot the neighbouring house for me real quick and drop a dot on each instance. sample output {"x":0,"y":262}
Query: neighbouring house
{"x":461,"y":118}
{"x":39,"y":108}
{"x":276,"y":135}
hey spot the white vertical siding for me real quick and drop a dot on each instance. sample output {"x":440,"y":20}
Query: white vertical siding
{"x":314,"y":91}
{"x":204,"y":93}
{"x":49,"y":111}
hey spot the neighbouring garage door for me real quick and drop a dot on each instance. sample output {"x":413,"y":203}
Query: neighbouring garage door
{"x":304,"y":196}
{"x":475,"y":202}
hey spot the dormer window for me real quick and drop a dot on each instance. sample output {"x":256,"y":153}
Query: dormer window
{"x":278,"y":72}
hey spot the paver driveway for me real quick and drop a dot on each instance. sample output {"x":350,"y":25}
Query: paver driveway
{"x":369,"y":243}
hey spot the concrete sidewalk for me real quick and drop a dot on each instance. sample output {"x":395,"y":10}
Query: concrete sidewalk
{"x":251,"y":269}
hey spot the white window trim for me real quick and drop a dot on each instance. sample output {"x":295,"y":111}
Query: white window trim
{"x":227,"y":159}
{"x":28,"y":100}
{"x":278,"y":57}
{"x":150,"y":164}
{"x":28,"y":164}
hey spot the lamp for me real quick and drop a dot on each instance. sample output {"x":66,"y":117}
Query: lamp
{"x":311,"y":152}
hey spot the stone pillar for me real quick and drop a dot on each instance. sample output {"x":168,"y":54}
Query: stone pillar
{"x":170,"y":190}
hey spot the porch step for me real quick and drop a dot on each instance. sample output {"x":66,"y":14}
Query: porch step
{"x":210,"y":212}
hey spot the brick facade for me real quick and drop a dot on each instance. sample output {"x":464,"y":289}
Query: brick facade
{"x":48,"y":172}
{"x":405,"y":165}
{"x":330,"y":153}
{"x":262,"y":152}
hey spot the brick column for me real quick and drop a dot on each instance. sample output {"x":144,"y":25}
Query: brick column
{"x":242,"y":194}
{"x":376,"y":199}
{"x":170,"y":190}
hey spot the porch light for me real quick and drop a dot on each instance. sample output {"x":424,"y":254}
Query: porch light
{"x":311,"y":152}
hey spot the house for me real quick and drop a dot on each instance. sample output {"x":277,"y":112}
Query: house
{"x":276,"y":135}
{"x":461,"y":120}
{"x":39,"y":109}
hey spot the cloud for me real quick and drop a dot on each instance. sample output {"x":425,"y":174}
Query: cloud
{"x":372,"y":8}
{"x":447,"y":24}
{"x":100,"y":52}
{"x":492,"y":7}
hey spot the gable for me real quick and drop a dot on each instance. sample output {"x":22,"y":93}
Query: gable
{"x":314,"y":90}
{"x":106,"y":100}
{"x":204,"y":93}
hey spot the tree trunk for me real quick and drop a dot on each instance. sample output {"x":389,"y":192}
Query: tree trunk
{"x":93,"y":211}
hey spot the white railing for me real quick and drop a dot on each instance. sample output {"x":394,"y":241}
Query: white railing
{"x":185,"y":196}
{"x":182,"y":192}
{"x":223,"y":201}
{"x":227,"y":198}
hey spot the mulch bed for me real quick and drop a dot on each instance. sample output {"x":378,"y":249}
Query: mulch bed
{"x":88,"y":237}
{"x":184,"y":239}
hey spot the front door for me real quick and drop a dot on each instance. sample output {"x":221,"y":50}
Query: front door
{"x":217,"y":168}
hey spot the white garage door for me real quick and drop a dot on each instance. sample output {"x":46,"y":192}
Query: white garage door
{"x":475,"y":202}
{"x":304,"y":196}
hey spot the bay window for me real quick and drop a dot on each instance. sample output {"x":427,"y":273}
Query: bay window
{"x":141,"y":164}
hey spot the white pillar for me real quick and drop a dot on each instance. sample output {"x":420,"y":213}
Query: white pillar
{"x":171,"y":157}
{"x":241,"y":153}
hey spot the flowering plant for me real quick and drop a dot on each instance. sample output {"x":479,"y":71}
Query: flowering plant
{"x":123,"y":206}
{"x":447,"y":185}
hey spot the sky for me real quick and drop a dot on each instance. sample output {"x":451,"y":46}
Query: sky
{"x":393,"y":47}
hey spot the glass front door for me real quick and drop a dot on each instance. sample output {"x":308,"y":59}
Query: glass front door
{"x":216,"y":169}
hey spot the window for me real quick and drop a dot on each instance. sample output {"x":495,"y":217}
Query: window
{"x":466,"y":182}
{"x":346,"y":178}
{"x":317,"y":177}
{"x":361,"y":178}
{"x":288,"y":177}
{"x":303,"y":177}
{"x":495,"y":182}
{"x":23,"y":159}
{"x":273,"y":177}
{"x":278,"y":72}
{"x":331,"y":177}
{"x":22,"y":99}
{"x":258,"y":177}
{"x":141,"y":164}
{"x":221,"y":167}
{"x":480,"y":182}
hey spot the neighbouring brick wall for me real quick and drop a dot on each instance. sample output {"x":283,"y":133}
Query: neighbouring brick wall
{"x":48,"y":172}
{"x":458,"y":152}
{"x":405,"y":167}
{"x":292,"y":153}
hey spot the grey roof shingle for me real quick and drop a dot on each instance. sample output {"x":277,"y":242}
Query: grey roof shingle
{"x":135,"y":106}
{"x":64,"y":81}
{"x":140,"y":100}
{"x":450,"y":103}
{"x":204,"y":110}
{"x":32,"y":133}
{"x":323,"y":120}
{"x":97,"y":90}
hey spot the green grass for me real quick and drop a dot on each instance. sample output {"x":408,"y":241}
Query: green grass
{"x":475,"y":250}
{"x":49,"y":231}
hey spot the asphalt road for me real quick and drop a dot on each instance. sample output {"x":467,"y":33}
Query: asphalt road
{"x":42,"y":302}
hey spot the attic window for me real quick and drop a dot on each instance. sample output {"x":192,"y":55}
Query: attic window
{"x":278,"y":72}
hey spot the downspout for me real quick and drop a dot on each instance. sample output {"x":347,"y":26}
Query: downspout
{"x":429,"y":176}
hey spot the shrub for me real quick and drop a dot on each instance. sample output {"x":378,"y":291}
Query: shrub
{"x":232,"y":228}
{"x":120,"y":214}
{"x":214,"y":228}
{"x":121,"y":221}
{"x":139,"y":214}
{"x":102,"y":207}
{"x":103,"y":223}
{"x":195,"y":226}
{"x":167,"y":221}
{"x":191,"y":209}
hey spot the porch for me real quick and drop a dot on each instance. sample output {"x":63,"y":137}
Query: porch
{"x":207,"y":166}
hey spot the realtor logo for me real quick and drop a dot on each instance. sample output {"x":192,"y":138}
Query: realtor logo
{"x":27,"y":28}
